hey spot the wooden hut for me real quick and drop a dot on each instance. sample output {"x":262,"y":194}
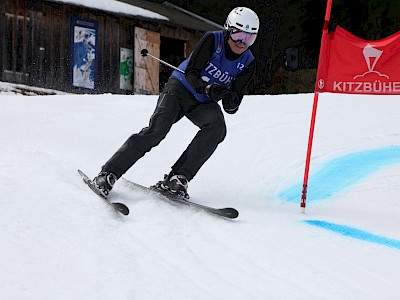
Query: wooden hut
{"x":87,"y":48}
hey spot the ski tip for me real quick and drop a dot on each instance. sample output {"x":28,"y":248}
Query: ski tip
{"x":230,"y":213}
{"x":122,"y":208}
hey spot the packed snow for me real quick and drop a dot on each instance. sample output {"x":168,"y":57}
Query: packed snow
{"x":60,"y":241}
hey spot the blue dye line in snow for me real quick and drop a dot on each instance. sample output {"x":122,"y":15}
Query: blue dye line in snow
{"x":356,"y":233}
{"x":343,"y":172}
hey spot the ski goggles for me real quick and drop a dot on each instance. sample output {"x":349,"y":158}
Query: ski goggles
{"x":240,"y":36}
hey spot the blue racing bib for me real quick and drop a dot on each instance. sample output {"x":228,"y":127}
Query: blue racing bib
{"x":218,"y":69}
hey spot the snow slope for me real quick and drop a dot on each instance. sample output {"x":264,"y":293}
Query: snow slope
{"x":59,"y":241}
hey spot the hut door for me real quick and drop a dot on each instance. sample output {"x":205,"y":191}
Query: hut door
{"x":146,"y":77}
{"x":18,"y":31}
{"x":20,"y":43}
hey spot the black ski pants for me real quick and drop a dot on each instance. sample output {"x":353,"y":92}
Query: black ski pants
{"x":173,"y":103}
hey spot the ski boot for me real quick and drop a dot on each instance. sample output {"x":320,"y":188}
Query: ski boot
{"x":105,"y":182}
{"x":175,"y":184}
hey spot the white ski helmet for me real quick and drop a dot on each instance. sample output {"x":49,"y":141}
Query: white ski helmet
{"x":244,"y":19}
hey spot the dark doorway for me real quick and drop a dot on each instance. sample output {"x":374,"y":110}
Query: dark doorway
{"x":173,"y":52}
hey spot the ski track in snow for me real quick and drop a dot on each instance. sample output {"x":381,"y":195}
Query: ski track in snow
{"x":59,"y":241}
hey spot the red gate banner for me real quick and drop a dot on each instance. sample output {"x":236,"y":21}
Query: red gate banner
{"x":351,"y":65}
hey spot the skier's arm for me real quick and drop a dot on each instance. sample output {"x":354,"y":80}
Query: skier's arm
{"x":239,"y":88}
{"x":232,"y":96}
{"x":200,"y":56}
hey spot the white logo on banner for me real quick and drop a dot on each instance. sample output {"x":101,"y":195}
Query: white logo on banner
{"x":371,"y":56}
{"x":375,"y":86}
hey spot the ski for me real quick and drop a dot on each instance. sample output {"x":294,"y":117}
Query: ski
{"x":227,"y":212}
{"x":119,"y":207}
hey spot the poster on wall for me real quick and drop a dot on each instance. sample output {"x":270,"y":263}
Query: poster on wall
{"x":83,"y":49}
{"x":126,"y":69}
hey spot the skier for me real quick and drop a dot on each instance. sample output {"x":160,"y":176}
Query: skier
{"x":219,"y":68}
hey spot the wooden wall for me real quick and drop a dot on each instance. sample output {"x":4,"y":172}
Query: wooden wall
{"x":38,"y":52}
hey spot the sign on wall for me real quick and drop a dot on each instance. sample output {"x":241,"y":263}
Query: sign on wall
{"x":84,"y":37}
{"x":126,"y":69}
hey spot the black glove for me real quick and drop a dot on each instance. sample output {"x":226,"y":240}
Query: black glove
{"x":216,"y":91}
{"x":230,"y":99}
{"x":231,"y":102}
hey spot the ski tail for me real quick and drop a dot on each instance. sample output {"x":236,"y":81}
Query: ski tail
{"x":120,"y":207}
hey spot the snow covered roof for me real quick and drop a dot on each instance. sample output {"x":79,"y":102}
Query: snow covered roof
{"x":116,"y":7}
{"x":164,"y":13}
